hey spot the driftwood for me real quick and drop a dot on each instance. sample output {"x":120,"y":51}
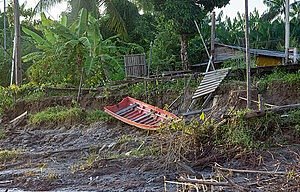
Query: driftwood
{"x":203,"y":182}
{"x":19,"y":117}
{"x":16,"y":121}
{"x":234,"y":185}
{"x":251,"y":171}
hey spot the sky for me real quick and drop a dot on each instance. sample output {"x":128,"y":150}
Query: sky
{"x":230,"y":10}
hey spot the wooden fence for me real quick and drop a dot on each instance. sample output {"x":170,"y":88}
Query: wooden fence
{"x":135,"y":65}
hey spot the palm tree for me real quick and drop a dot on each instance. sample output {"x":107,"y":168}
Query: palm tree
{"x":276,"y":8}
{"x":115,"y":21}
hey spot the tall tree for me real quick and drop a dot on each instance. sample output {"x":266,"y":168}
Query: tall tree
{"x":115,"y":22}
{"x":183,"y":13}
{"x":276,"y":8}
{"x":17,"y":45}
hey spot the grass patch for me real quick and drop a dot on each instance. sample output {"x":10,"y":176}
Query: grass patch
{"x":293,"y":120}
{"x":8,"y":155}
{"x":6,"y":99}
{"x":279,"y":77}
{"x":57,"y":115}
{"x":2,"y":134}
{"x":97,"y":115}
{"x":60,"y":115}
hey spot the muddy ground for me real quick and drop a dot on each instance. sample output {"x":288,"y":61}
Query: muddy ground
{"x":117,"y":157}
{"x":113,"y":157}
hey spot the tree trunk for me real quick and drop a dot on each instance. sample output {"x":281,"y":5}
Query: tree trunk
{"x":17,"y":44}
{"x":183,"y":52}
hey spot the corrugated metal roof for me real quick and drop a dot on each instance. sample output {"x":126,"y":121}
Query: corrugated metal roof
{"x":263,"y":52}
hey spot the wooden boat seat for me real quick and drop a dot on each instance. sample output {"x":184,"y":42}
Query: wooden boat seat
{"x":141,"y":117}
{"x":127,"y":109}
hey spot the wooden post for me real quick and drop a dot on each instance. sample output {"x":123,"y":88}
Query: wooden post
{"x":261,"y":103}
{"x":17,"y":44}
{"x":150,"y":59}
{"x":213,"y":36}
{"x":248,"y":68}
{"x":4,"y":28}
{"x":287,"y":30}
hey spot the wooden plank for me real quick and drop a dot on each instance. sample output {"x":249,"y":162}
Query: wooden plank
{"x":141,"y":117}
{"x":209,"y":84}
{"x":219,"y":70}
{"x":121,"y":112}
{"x":205,"y":89}
{"x":196,"y":112}
{"x":266,"y":104}
{"x":216,"y":73}
{"x":210,"y":81}
{"x":19,"y":117}
{"x":204,"y":81}
{"x":203,"y":93}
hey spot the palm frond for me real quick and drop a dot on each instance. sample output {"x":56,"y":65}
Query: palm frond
{"x":43,"y":5}
{"x":115,"y":21}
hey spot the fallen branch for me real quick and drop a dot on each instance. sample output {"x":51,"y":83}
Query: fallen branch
{"x":234,"y":185}
{"x":19,"y":117}
{"x":251,"y":171}
{"x":203,"y":182}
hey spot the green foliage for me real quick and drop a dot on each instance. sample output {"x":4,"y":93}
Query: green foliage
{"x":65,"y":51}
{"x":166,"y":47}
{"x":183,"y":13}
{"x":61,"y":115}
{"x":8,"y":155}
{"x":55,"y":115}
{"x":2,"y":134}
{"x":278,"y":77}
{"x":292,"y":120}
{"x":6,"y":99}
{"x":97,"y":115}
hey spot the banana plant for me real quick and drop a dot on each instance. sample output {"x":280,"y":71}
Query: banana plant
{"x":66,"y":52}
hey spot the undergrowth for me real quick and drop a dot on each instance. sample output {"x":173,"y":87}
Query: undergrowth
{"x":239,"y":130}
{"x":61,"y":115}
{"x":2,"y":133}
{"x":6,"y":99}
{"x":56,"y":115}
{"x":8,"y":155}
{"x":278,"y":77}
{"x":97,"y":115}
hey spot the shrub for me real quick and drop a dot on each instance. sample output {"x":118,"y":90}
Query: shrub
{"x":6,"y":98}
{"x":8,"y":155}
{"x":56,"y":115}
{"x":97,"y":115}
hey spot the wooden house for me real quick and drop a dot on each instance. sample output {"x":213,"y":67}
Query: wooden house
{"x":262,"y":57}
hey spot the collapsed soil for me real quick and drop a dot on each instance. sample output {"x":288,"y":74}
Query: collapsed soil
{"x":113,"y":156}
{"x":59,"y":158}
{"x":99,"y":157}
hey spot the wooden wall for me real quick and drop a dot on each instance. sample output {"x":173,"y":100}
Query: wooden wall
{"x":264,"y":61}
{"x":135,"y":65}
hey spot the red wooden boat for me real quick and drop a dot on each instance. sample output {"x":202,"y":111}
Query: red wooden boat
{"x":139,"y":114}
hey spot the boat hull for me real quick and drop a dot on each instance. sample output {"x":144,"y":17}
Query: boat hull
{"x":139,"y":114}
